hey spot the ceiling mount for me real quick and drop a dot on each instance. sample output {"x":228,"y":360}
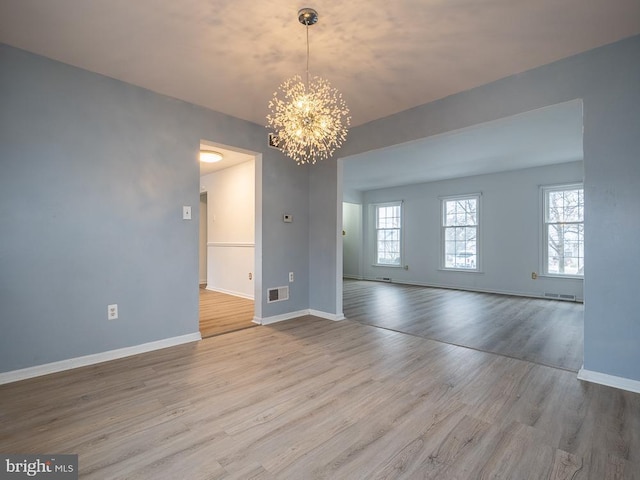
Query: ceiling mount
{"x":307,"y":16}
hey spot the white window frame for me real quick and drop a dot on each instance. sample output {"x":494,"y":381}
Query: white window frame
{"x":443,"y":235}
{"x":375,"y":230}
{"x":544,"y":247}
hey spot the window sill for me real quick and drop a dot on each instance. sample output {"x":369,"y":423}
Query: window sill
{"x":564,"y":277}
{"x":463,"y":270}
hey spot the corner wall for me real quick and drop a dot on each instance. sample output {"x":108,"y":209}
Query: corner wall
{"x":607,"y":81}
{"x":94,"y":174}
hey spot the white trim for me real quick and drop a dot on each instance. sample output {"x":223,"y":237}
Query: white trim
{"x":460,"y":196}
{"x":353,"y":277}
{"x":280,"y":318}
{"x":374,"y":207}
{"x":470,"y":289}
{"x":478,"y":226}
{"x":229,"y":292}
{"x":230,"y":244}
{"x":71,"y":363}
{"x":300,"y":313}
{"x":459,"y":270}
{"x":336,"y":317}
{"x":339,"y":265}
{"x":609,"y":380}
{"x":565,"y":277}
{"x":257,"y":253}
{"x":543,"y":237}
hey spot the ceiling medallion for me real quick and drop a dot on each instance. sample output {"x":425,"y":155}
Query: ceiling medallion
{"x":310,"y":118}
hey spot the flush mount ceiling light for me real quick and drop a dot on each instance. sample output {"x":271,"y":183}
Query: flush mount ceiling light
{"x":209,"y":156}
{"x":310,"y":119}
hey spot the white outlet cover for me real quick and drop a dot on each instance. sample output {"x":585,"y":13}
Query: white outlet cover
{"x":186,"y":212}
{"x":112,"y":311}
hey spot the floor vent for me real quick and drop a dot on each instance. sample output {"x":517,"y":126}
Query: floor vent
{"x":384,"y":279}
{"x":561,"y":296}
{"x":277,"y":294}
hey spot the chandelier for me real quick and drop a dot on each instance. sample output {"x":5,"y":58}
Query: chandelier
{"x":310,"y":119}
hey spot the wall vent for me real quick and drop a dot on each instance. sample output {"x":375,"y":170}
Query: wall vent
{"x":560,"y":296}
{"x":384,"y":279}
{"x":277,"y":294}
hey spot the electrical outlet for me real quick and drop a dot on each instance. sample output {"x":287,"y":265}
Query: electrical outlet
{"x":534,"y":275}
{"x":250,"y":276}
{"x":112,"y":311}
{"x":290,"y":277}
{"x":186,"y":212}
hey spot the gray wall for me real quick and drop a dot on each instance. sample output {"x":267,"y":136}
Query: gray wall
{"x":510,"y":232}
{"x":324,"y":258}
{"x":93,"y":176}
{"x":608,"y":80}
{"x":352,"y":241}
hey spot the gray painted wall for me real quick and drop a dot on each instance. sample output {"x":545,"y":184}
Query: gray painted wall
{"x":323,"y":255}
{"x":352,"y":196}
{"x":510,"y":232}
{"x":352,"y":241}
{"x":608,"y":80}
{"x":93,"y":176}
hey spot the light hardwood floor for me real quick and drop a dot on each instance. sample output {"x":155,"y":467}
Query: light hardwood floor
{"x":548,"y":332}
{"x":222,"y":313}
{"x":312,"y":398}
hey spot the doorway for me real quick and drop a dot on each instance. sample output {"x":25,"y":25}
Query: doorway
{"x":545,"y":150}
{"x":227,"y":241}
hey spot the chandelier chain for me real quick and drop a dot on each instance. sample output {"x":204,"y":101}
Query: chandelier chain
{"x":307,"y":55}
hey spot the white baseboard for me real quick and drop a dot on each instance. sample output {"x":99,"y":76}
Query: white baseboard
{"x":298,"y":314}
{"x":469,"y":289}
{"x":329,"y":316}
{"x":280,"y":318}
{"x":229,"y":292}
{"x":62,"y":365}
{"x":609,"y":380}
{"x":353,"y":277}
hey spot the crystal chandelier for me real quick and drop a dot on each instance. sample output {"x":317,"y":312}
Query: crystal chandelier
{"x":310,"y":119}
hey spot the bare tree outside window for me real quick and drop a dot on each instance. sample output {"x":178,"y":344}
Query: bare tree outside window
{"x":564,"y":230}
{"x":460,"y":232}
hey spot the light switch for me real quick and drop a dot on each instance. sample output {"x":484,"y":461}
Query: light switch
{"x":186,"y":212}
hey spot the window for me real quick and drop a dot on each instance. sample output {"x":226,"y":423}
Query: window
{"x":460,"y":232}
{"x":563,"y":237}
{"x":388,"y":234}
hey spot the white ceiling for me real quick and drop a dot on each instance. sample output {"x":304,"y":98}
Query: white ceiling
{"x":384,"y":56}
{"x":540,"y":137}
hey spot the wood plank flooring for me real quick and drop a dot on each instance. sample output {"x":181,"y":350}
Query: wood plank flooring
{"x":316,"y":399}
{"x":222,"y":313}
{"x":547,"y":332}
